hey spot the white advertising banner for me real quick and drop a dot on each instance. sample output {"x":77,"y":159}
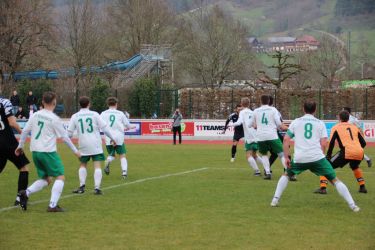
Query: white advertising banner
{"x":369,"y":130}
{"x":212,"y":129}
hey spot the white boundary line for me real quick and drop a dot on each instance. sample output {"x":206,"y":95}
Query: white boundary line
{"x":112,"y":187}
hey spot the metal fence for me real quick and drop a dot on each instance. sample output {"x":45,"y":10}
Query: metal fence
{"x":219,"y":103}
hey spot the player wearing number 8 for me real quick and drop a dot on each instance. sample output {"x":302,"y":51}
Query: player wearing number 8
{"x":88,"y":124}
{"x":117,"y":122}
{"x":351,"y":145}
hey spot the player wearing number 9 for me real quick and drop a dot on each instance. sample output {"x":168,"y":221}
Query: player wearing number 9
{"x":351,"y":144}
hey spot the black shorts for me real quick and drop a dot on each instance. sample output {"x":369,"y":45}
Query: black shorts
{"x":237,"y":136}
{"x":8,"y":154}
{"x":339,"y":161}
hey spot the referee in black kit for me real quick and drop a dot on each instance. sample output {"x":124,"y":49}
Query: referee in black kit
{"x":238,"y":130}
{"x":9,"y":143}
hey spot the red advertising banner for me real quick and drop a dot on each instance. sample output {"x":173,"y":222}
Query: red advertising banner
{"x":164,"y":128}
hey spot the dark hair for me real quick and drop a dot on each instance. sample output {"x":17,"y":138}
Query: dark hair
{"x":265,"y":99}
{"x":347,"y":109}
{"x":48,"y":97}
{"x":84,"y":101}
{"x":112,"y":101}
{"x":271,"y":100}
{"x":245,"y":102}
{"x":344,"y":116}
{"x":238,"y":106}
{"x":309,"y":107}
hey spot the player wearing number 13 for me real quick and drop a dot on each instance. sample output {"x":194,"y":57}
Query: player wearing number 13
{"x":88,"y":124}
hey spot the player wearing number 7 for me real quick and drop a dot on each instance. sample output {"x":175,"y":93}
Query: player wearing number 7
{"x":88,"y":124}
{"x":351,"y":143}
{"x":45,"y":128}
{"x":117,"y":122}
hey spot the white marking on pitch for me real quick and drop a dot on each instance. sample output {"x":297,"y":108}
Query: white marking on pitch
{"x":112,"y":187}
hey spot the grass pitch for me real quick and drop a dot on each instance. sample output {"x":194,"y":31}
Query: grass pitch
{"x":188,"y":197}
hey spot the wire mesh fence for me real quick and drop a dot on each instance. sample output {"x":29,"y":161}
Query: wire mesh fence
{"x":219,"y":103}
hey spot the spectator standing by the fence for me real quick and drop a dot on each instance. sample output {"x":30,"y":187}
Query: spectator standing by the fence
{"x":176,"y":126}
{"x":20,"y":114}
{"x":31,"y":101}
{"x":15,"y":100}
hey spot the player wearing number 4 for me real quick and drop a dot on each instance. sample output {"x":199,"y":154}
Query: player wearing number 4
{"x":88,"y":124}
{"x":117,"y":122}
{"x":45,"y":128}
{"x":266,"y":120}
{"x":351,"y":145}
{"x":251,"y":145}
{"x":310,"y":141}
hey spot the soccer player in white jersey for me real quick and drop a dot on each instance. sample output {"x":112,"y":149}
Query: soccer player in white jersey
{"x":267,"y":120}
{"x":310,"y":142}
{"x":45,"y":128}
{"x":354,"y":120}
{"x":117,"y":122}
{"x":88,"y":124}
{"x":251,"y":145}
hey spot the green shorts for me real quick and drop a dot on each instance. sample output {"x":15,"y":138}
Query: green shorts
{"x":251,"y":147}
{"x":272,"y":145}
{"x":320,"y":168}
{"x":118,"y":149}
{"x":48,"y":164}
{"x":86,"y":158}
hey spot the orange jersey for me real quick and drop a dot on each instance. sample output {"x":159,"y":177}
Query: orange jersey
{"x":350,"y":141}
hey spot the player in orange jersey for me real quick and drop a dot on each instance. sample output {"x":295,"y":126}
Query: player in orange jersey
{"x":351,"y":143}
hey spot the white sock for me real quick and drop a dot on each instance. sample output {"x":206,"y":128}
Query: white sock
{"x":282,"y":159}
{"x":56,"y":191}
{"x":253,"y":163}
{"x":281,"y":186}
{"x":82,"y":173}
{"x":36,"y":186}
{"x":98,"y":177}
{"x":110,"y":158}
{"x":367,"y":158}
{"x":259,"y":159}
{"x":344,"y":192}
{"x":124,"y":165}
{"x":266,"y":164}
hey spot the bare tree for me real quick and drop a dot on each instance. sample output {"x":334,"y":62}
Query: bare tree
{"x":137,"y":22}
{"x":83,"y":39}
{"x":329,"y":60}
{"x":26,"y":31}
{"x":285,"y":68}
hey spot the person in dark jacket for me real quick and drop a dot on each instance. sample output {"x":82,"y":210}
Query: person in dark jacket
{"x":31,"y":101}
{"x":15,"y":100}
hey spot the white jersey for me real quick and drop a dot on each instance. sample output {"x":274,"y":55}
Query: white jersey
{"x":117,"y":122}
{"x":244,"y":119}
{"x":267,"y":119}
{"x":45,"y":128}
{"x":88,"y":124}
{"x":307,"y":131}
{"x":353,"y":120}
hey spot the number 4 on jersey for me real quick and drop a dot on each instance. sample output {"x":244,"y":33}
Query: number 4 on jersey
{"x":264,"y":119}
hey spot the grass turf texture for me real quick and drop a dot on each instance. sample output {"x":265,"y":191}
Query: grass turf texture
{"x":221,"y":207}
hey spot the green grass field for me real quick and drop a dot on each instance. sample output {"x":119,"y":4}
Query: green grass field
{"x":165,"y":204}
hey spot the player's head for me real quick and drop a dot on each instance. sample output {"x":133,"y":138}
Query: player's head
{"x":309,"y":107}
{"x":265,"y":99}
{"x":49,"y":99}
{"x":112,"y":102}
{"x":344,"y":116}
{"x":238,"y":108}
{"x":84,"y":102}
{"x":349,"y":110}
{"x":271,"y":100}
{"x":245,"y":102}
